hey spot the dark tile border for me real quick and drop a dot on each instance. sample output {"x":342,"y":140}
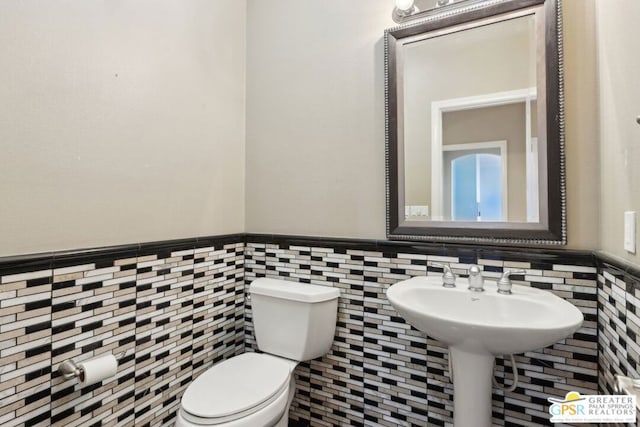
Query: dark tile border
{"x":93,"y":256}
{"x":624,"y":267}
{"x":45,"y":260}
{"x":32,"y":262}
{"x":619,"y":267}
{"x":202,"y":242}
{"x":164,"y":248}
{"x":24,"y":263}
{"x":516,"y":253}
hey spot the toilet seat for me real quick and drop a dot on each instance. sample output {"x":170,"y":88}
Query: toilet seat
{"x":236,"y":388}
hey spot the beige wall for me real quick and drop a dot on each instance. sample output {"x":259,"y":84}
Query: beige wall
{"x":315,"y":118}
{"x":581,"y":111}
{"x":619,"y":77}
{"x":124,"y":121}
{"x":120,"y":121}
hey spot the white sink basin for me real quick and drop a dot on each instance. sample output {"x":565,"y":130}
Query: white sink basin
{"x":478,"y":326}
{"x":485,"y":322}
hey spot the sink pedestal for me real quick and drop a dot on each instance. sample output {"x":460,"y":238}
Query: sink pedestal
{"x":477,"y":325}
{"x":472,"y":388}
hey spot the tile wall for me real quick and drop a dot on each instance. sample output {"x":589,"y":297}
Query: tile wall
{"x":381,"y":371}
{"x":168,"y":311}
{"x":618,"y":324}
{"x":172,"y":309}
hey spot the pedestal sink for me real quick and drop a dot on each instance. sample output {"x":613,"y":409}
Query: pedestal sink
{"x":477,"y":326}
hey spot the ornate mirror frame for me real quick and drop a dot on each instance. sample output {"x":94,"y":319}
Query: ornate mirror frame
{"x":553,"y":230}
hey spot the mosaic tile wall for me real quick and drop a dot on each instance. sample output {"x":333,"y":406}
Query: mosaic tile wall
{"x":169,"y":311}
{"x":381,"y":371}
{"x":173,"y":309}
{"x":619,"y":325}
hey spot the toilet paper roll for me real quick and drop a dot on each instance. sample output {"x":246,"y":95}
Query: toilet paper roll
{"x":97,"y":369}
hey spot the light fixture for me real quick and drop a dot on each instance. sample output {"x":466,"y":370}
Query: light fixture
{"x":403,"y":9}
{"x":406,"y":10}
{"x":404,"y":4}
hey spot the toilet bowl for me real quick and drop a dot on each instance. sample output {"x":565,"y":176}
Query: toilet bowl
{"x":293,"y":322}
{"x":252,"y":389}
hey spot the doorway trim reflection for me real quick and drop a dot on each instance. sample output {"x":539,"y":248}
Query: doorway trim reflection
{"x":481,"y":148}
{"x":438,"y":108}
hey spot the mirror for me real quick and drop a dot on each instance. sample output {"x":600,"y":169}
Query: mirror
{"x":475,"y":125}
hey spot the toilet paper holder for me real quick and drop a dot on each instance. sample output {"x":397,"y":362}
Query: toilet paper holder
{"x":70,"y":370}
{"x":627,"y":385}
{"x":623,"y":383}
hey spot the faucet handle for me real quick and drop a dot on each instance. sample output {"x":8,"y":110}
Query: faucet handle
{"x":504,"y":283}
{"x":476,"y":281}
{"x":448,"y":277}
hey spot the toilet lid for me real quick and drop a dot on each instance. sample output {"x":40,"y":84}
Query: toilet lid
{"x":236,"y":385}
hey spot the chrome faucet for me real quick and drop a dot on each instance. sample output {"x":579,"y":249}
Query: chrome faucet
{"x":476,"y":281}
{"x":448,"y":277}
{"x":504,"y":284}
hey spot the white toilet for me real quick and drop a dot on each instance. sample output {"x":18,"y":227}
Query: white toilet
{"x":292,"y":322}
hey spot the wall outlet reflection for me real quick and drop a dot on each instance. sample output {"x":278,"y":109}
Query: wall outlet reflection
{"x":416,"y":212}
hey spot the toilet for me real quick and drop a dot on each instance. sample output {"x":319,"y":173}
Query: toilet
{"x":293,"y":322}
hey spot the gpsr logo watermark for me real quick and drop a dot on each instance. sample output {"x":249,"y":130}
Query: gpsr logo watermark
{"x":575,"y":408}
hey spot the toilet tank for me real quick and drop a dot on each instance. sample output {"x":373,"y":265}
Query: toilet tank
{"x":293,"y":320}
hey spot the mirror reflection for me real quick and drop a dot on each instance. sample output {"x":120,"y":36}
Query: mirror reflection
{"x":475,"y":124}
{"x":470,"y":123}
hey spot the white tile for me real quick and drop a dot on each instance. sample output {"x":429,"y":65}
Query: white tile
{"x":73,"y":269}
{"x":4,"y":320}
{"x":150,"y":263}
{"x":71,"y":297}
{"x":72,"y":339}
{"x":574,"y":268}
{"x":25,"y":276}
{"x":102,"y":271}
{"x":204,"y":250}
{"x":4,"y":296}
{"x":543,"y":279}
{"x":182,"y":253}
{"x":117,"y":281}
{"x":442,"y":259}
{"x":24,"y":323}
{"x":25,"y":299}
{"x":68,"y":319}
{"x":94,"y":279}
{"x":26,"y":370}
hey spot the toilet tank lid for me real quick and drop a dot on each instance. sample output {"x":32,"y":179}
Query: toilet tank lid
{"x":294,"y":291}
